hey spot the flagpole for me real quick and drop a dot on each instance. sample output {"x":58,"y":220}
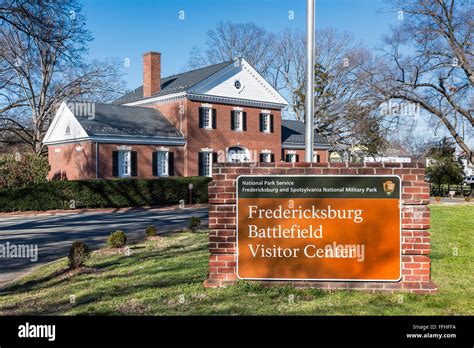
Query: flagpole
{"x":310,"y":4}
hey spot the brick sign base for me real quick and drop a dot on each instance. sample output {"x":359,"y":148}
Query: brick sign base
{"x":415,"y":222}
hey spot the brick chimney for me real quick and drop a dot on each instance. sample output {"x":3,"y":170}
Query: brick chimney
{"x":151,"y":73}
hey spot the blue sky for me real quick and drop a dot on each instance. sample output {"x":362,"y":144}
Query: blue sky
{"x":125,"y":29}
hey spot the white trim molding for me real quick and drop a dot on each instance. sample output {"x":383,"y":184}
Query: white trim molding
{"x":301,"y":146}
{"x":234,"y":101}
{"x":157,"y":100}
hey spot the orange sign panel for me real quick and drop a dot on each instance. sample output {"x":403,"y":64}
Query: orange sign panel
{"x":319,"y":228}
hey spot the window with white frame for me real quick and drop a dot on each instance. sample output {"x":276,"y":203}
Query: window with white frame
{"x":124,"y":163}
{"x":238,"y":120}
{"x":206,"y":117}
{"x":291,"y":157}
{"x":206,"y":163}
{"x":266,"y":157}
{"x":162,"y":163}
{"x":266,"y":123}
{"x":316,"y":158}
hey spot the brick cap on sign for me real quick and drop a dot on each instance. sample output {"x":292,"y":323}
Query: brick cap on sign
{"x":390,"y":165}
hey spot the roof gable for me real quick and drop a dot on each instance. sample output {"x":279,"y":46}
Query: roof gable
{"x":64,"y":127}
{"x":175,"y":83}
{"x":239,"y":80}
{"x":216,"y":80}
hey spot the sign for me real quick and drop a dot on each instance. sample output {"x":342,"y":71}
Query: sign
{"x":319,"y":227}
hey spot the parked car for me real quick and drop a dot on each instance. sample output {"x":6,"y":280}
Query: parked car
{"x":469,"y":179}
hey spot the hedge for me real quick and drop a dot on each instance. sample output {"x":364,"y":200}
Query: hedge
{"x":99,"y":193}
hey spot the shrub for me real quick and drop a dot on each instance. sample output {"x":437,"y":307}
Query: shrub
{"x":150,"y":231}
{"x":22,"y":170}
{"x":194,"y":223}
{"x":117,"y":239}
{"x":100,"y":193}
{"x":78,"y":254}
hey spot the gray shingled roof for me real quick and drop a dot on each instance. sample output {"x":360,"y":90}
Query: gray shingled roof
{"x":175,"y":83}
{"x":293,"y":134}
{"x":121,"y":120}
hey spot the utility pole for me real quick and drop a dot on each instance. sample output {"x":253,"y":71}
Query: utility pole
{"x":309,"y":80}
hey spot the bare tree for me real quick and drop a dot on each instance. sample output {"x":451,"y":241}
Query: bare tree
{"x":42,"y":63}
{"x":345,"y":110}
{"x":288,"y":69}
{"x":229,"y":41}
{"x":428,"y":61}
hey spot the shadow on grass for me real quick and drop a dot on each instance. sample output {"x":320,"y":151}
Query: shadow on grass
{"x":173,"y":265}
{"x":30,"y":284}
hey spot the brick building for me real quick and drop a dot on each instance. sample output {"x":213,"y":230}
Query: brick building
{"x":177,"y":125}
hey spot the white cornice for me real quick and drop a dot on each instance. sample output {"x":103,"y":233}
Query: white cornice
{"x":205,"y":98}
{"x":234,"y":101}
{"x":158,"y":99}
{"x":302,"y":146}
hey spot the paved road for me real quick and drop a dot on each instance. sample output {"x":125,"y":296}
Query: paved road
{"x":53,"y":234}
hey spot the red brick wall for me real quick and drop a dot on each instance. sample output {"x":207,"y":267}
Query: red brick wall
{"x":75,"y":165}
{"x":415,"y":222}
{"x":74,"y":161}
{"x":221,"y":138}
{"x":323,"y":154}
{"x":144,"y":159}
{"x":171,"y":111}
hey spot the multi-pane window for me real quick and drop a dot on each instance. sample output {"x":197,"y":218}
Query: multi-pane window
{"x":124,"y":163}
{"x":205,"y":165}
{"x":291,"y":157}
{"x":238,"y":120}
{"x":206,"y":118}
{"x":266,"y":157}
{"x":162,"y":163}
{"x":266,"y":123}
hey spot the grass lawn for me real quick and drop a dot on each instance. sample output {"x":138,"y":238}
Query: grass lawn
{"x":164,"y":276}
